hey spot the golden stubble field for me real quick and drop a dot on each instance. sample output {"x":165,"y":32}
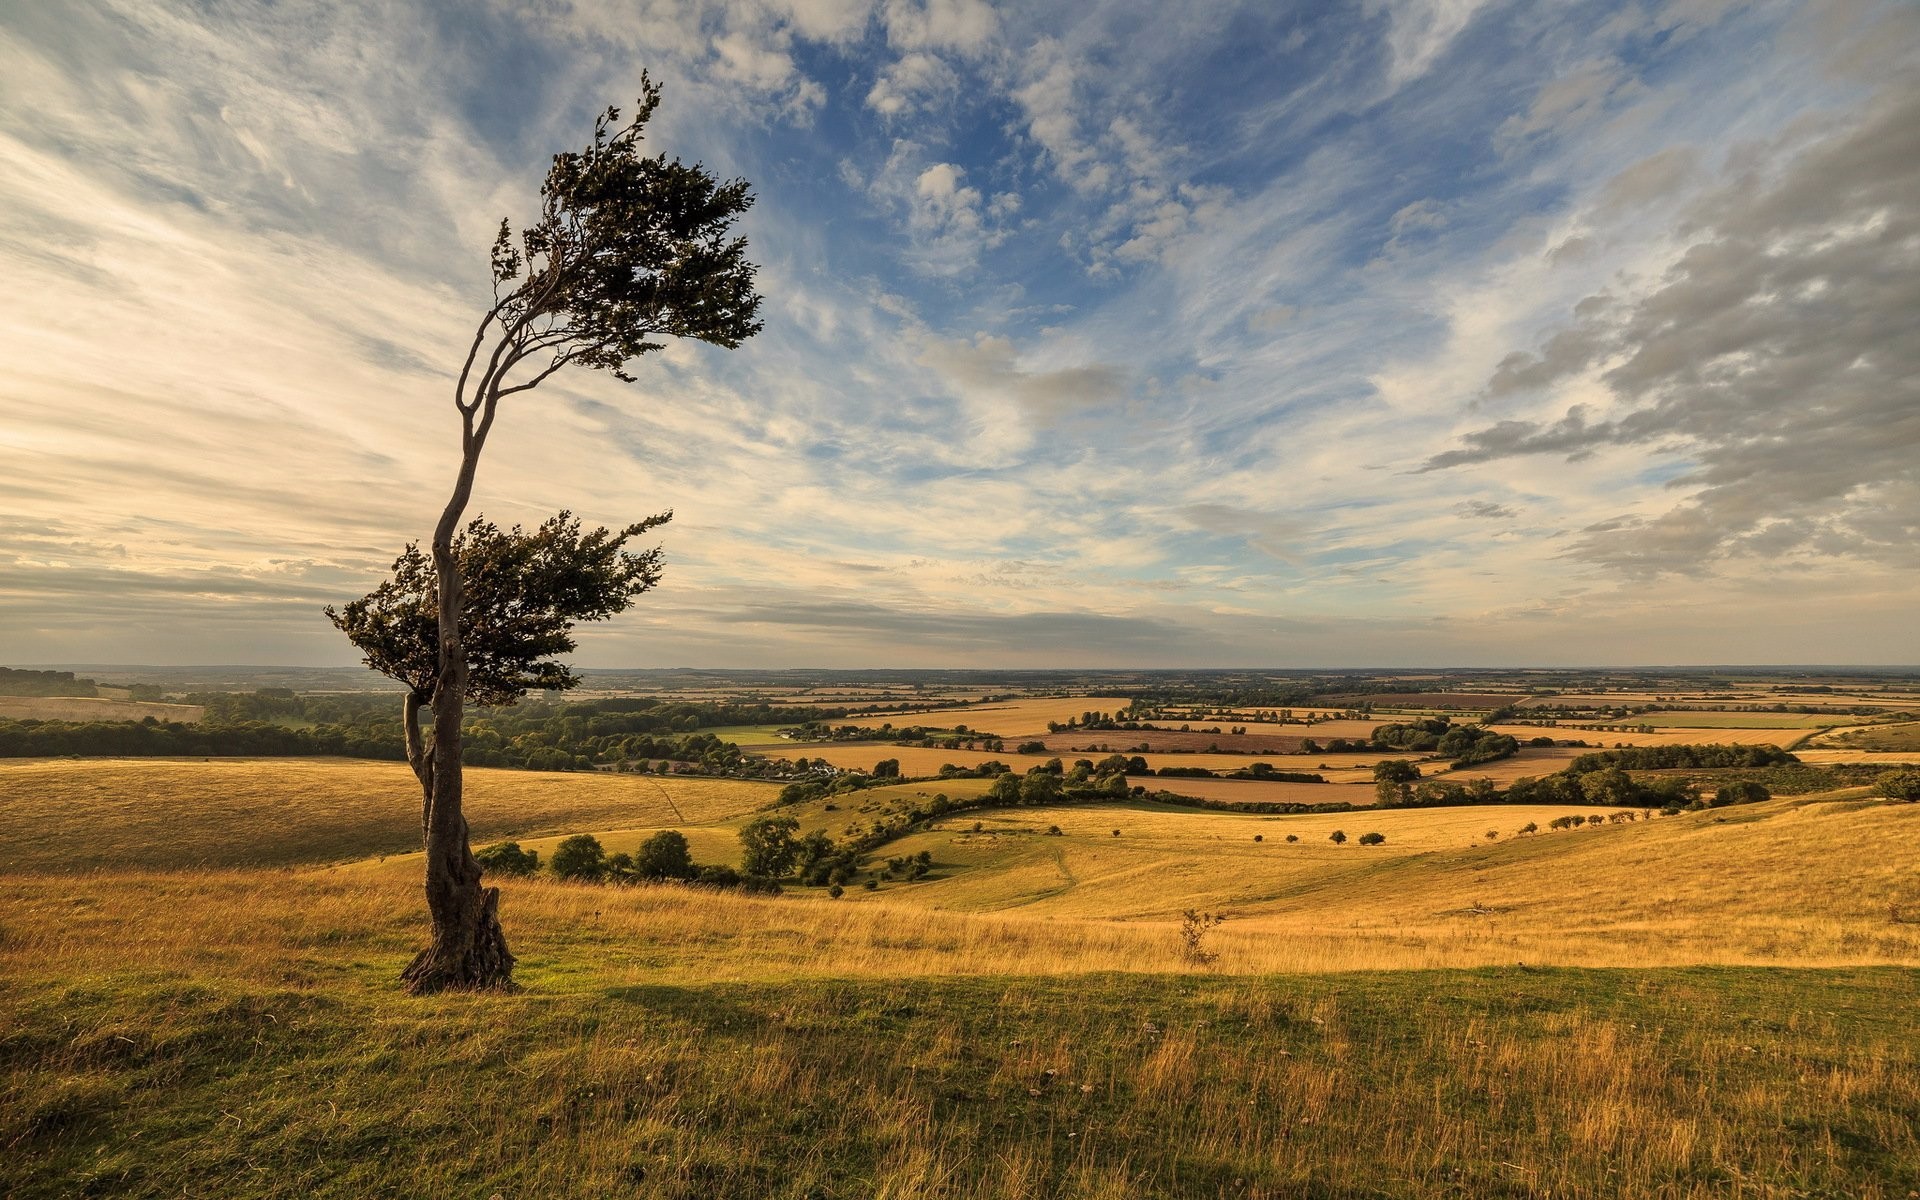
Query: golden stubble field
{"x":92,"y":708}
{"x":1606,"y":736}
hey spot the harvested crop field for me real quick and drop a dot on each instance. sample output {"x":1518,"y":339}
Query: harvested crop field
{"x":90,"y":708}
{"x":1475,"y":701}
{"x":1529,"y":762}
{"x":1258,"y":791}
{"x":1139,"y":741}
{"x":1604,"y":737}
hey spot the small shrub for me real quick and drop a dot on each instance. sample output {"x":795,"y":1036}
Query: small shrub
{"x":1116,"y":833}
{"x":1259,"y":837}
{"x":1054,"y":831}
{"x":872,"y":885}
{"x":1194,"y":927}
{"x":1338,"y":837}
{"x":1372,"y":839}
{"x":1293,"y":837}
{"x":508,"y":858}
{"x":718,"y":877}
{"x":836,"y":891}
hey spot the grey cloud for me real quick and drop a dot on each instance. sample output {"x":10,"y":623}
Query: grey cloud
{"x":989,"y":364}
{"x":1485,"y":510}
{"x":1273,"y":534}
{"x":1650,"y":179}
{"x":1781,"y":353}
{"x":1070,"y":634}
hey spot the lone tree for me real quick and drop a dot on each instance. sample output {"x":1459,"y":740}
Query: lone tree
{"x":628,"y":250}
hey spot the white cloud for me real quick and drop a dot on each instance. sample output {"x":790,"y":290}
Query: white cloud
{"x":913,"y":82}
{"x":964,"y":26}
{"x":1419,"y":32}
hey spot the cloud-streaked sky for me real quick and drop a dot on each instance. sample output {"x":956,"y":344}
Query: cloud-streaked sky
{"x":1107,"y":333}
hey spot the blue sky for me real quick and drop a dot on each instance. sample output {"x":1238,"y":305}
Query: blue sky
{"x":1112,"y":333}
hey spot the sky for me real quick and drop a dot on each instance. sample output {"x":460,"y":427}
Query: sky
{"x":1105,"y":333}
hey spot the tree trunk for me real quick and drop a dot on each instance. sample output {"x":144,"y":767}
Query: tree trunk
{"x":468,"y":950}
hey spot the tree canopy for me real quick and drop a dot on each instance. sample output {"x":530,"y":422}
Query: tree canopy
{"x":524,"y":591}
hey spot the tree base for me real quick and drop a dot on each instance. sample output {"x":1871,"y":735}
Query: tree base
{"x":474,"y":959}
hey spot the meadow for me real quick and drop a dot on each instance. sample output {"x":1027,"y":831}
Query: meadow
{"x":197,"y":964}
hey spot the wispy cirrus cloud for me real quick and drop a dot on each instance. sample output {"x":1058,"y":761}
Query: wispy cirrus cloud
{"x":1119,"y":333}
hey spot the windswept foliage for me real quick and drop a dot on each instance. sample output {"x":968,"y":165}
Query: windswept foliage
{"x":524,"y":591}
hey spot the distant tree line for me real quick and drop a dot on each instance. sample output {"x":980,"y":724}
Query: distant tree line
{"x":44,"y":683}
{"x":536,"y":735}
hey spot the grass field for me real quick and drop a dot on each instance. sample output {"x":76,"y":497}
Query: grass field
{"x":79,"y":814}
{"x":1714,"y":1004}
{"x":89,"y":708}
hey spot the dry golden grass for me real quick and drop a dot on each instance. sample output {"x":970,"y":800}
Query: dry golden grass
{"x":69,"y":814}
{"x":1636,"y":896}
{"x":90,"y":708}
{"x":1788,"y":882}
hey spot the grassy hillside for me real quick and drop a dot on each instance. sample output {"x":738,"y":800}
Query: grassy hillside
{"x":68,"y":814}
{"x":1026,"y":1023}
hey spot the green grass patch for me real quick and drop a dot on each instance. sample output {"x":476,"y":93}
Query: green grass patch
{"x":1496,"y":1083}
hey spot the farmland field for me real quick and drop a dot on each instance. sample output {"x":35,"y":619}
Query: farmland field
{"x":920,"y":760}
{"x":1604,"y":736}
{"x":87,"y":708}
{"x":1007,"y":718}
{"x":1741,"y":720}
{"x":1901,"y":738}
{"x":1259,"y":791}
